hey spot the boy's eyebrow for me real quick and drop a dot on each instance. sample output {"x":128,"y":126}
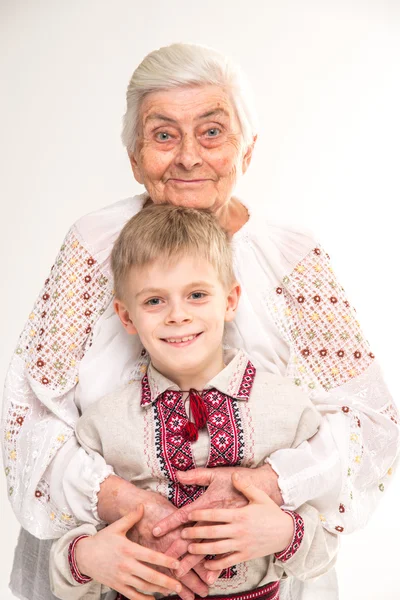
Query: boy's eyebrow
{"x":149,"y":291}
{"x":192,"y":284}
{"x":200,"y":284}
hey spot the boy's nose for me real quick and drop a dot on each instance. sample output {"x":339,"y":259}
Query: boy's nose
{"x":178,"y":315}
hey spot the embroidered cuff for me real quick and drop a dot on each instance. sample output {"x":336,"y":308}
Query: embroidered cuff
{"x":76,"y":574}
{"x":298,"y":535}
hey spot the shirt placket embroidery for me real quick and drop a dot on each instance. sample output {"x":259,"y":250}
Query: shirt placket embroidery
{"x":174,"y":451}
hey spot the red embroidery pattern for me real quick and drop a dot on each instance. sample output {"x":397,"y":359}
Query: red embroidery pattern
{"x":225,"y":430}
{"x":173,"y":449}
{"x":247,"y":381}
{"x":297,"y":538}
{"x":75,"y":572}
{"x":266,"y":592}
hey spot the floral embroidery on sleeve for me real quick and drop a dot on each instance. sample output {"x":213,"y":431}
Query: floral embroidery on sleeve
{"x":328,"y":353}
{"x":49,"y":350}
{"x":73,"y":298}
{"x":315,"y":317}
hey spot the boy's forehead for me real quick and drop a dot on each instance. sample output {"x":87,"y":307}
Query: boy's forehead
{"x":178,"y":269}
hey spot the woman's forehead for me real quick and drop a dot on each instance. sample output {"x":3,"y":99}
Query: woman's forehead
{"x":187,"y":103}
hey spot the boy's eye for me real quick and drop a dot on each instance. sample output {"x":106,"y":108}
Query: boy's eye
{"x":197,"y":295}
{"x":153,"y":301}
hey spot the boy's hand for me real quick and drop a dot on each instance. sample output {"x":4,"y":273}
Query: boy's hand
{"x":111,"y":559}
{"x":258,"y":529}
{"x":220,"y":492}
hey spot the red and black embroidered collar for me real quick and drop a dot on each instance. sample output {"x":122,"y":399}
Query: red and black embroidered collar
{"x":235,"y":380}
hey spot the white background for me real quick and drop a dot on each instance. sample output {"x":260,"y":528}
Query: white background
{"x":326,"y":77}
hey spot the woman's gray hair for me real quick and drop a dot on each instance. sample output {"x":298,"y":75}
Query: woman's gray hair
{"x":187,"y":65}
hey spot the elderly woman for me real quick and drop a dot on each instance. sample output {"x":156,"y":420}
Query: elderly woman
{"x":190,"y":131}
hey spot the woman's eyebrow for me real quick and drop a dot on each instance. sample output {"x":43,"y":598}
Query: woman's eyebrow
{"x":207,"y":115}
{"x":213,"y":113}
{"x":159,"y":117}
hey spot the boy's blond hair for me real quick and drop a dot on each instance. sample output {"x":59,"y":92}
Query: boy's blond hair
{"x":166,"y":232}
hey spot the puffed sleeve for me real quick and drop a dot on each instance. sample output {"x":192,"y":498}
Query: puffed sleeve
{"x":344,"y":469}
{"x":51,"y":481}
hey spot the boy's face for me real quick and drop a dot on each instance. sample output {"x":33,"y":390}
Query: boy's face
{"x":179,"y":310}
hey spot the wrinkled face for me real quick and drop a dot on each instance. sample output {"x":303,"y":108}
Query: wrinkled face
{"x":190,"y":150}
{"x":179,"y":310}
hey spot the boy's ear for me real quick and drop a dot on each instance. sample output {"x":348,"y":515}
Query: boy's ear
{"x":232,"y":302}
{"x":124,"y":317}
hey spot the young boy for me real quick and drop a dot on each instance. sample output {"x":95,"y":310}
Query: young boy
{"x":197,"y":405}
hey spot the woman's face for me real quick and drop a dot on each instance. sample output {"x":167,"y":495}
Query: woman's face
{"x":190,"y":149}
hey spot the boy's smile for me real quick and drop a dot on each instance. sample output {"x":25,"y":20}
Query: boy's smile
{"x":178,"y":308}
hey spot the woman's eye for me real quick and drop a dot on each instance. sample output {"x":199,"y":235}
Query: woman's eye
{"x":213,"y":132}
{"x":153,"y":302}
{"x":163,"y":136}
{"x":197,"y":295}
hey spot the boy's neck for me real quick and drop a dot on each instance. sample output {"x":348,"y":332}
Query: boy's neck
{"x":197,"y":379}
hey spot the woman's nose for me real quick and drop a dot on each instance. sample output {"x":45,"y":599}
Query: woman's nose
{"x":188,"y":155}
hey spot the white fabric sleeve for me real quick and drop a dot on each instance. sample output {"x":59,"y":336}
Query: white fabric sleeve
{"x":344,"y":469}
{"x":51,"y":482}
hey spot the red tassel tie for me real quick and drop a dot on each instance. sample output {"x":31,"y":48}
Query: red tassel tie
{"x":199,"y":413}
{"x":190,"y":432}
{"x":198,"y":409}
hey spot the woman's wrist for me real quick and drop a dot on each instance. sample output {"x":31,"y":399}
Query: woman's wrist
{"x":116,"y":497}
{"x":270,"y":484}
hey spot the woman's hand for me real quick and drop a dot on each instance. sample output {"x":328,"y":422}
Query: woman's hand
{"x":220,"y":493}
{"x":117,"y":497}
{"x":157,"y":507}
{"x":258,"y":529}
{"x":111,"y":559}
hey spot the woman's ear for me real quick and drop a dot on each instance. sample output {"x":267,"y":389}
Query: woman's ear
{"x":135,"y":168}
{"x":123,"y":314}
{"x":232,"y":302}
{"x":248,"y":156}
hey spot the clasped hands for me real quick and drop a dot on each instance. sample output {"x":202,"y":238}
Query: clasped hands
{"x":237,"y":518}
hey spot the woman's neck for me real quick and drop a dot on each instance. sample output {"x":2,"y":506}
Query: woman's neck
{"x":232,"y":216}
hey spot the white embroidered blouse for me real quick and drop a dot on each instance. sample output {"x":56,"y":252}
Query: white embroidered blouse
{"x":294,"y":319}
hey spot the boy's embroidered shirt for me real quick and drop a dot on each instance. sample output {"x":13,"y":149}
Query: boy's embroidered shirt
{"x":139,"y":431}
{"x":223,"y":422}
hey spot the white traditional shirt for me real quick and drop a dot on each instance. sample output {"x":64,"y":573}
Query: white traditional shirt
{"x":141,"y":431}
{"x":294,"y":319}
